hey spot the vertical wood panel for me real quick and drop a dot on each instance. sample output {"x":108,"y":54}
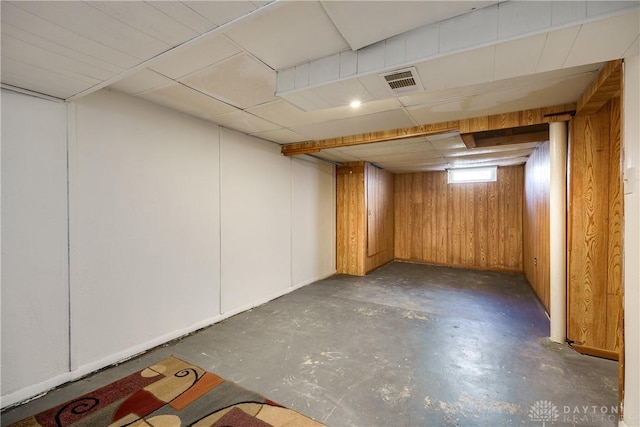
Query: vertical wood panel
{"x":465,"y":225}
{"x":442,"y":215}
{"x":381,"y":204}
{"x":588,"y":246}
{"x":350,"y":220}
{"x":536,"y":223}
{"x":614,"y":279}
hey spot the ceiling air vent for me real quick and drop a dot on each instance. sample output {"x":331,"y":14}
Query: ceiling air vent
{"x":403,"y":81}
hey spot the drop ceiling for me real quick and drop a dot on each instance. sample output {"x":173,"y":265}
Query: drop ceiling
{"x":285,"y":71}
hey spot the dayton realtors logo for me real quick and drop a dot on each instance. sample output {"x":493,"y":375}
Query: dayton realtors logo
{"x":546,"y":412}
{"x":543,"y":411}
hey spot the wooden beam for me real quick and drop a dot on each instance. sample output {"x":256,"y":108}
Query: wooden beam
{"x":464,"y":126}
{"x":520,"y":138}
{"x":468,"y":139}
{"x":513,"y":120}
{"x":607,"y":85}
{"x":371,"y":137}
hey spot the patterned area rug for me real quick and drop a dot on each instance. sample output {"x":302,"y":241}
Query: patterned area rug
{"x":171,"y":393}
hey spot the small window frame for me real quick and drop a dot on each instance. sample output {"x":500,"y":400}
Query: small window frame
{"x":472,"y":175}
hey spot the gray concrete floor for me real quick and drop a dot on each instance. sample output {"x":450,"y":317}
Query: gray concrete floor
{"x":408,"y":345}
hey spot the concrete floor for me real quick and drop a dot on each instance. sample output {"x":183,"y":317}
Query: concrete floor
{"x":408,"y":345}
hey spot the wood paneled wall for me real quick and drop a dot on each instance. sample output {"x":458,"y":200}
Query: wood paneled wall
{"x":464,"y":225}
{"x":536,"y":222}
{"x":594,"y":286}
{"x":350,"y":220}
{"x":364,"y":218}
{"x":380,"y":216}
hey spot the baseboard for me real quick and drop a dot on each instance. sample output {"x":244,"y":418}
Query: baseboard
{"x":33,"y":391}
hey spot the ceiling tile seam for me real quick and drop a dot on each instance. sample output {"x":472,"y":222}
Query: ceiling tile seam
{"x":334,"y":26}
{"x":150,"y":61}
{"x":199,"y":14}
{"x":132,"y":26}
{"x":28,"y":92}
{"x":75,"y":76}
{"x":15,"y":4}
{"x":183,"y":24}
{"x":440,"y":54}
{"x":71,"y":71}
{"x":573,"y":44}
{"x":4,"y":24}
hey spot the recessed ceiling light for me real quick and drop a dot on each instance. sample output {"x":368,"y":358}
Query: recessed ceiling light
{"x":355,"y":103}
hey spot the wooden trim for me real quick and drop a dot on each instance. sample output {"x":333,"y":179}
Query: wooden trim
{"x":607,"y":85}
{"x":468,"y":139}
{"x":597,"y":352}
{"x":369,"y":138}
{"x":513,"y":139}
{"x":465,"y":126}
{"x":514,"y":119}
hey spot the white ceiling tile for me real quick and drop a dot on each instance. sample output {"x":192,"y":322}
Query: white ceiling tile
{"x":497,"y":161}
{"x":240,"y":81}
{"x":598,"y":8}
{"x":147,"y":19}
{"x":518,"y":57}
{"x":95,"y":25}
{"x":324,"y":70}
{"x":591,"y":46}
{"x":8,"y":30}
{"x":376,"y":86}
{"x":281,"y":136}
{"x":221,"y":12}
{"x":341,"y":93}
{"x":556,"y":48}
{"x":302,"y":75}
{"x":184,"y":14}
{"x":194,"y":56}
{"x":563,"y":12}
{"x":187,"y":100}
{"x":472,"y":29}
{"x":348,"y":63}
{"x":467,"y":68}
{"x":371,"y":58}
{"x":355,"y":125}
{"x":395,"y":51}
{"x":141,"y":81}
{"x":363,"y":23}
{"x":46,"y":30}
{"x":448,"y":143}
{"x":282,"y":113}
{"x":389,"y":148}
{"x":634,"y":49}
{"x":335,"y":156}
{"x":40,"y":80}
{"x":297,"y":32}
{"x":244,"y":122}
{"x":40,"y":57}
{"x":304,"y":100}
{"x":429,"y":72}
{"x":286,"y":80}
{"x":522,"y":17}
{"x":423,"y":42}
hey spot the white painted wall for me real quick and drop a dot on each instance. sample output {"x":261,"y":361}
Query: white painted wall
{"x":35,"y":309}
{"x":174,"y":223}
{"x":631,"y":141}
{"x":144,"y":227}
{"x":313,"y":220}
{"x":256,"y":219}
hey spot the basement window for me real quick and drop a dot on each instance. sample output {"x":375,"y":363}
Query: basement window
{"x":471,"y":175}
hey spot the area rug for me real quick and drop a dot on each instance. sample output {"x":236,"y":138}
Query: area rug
{"x":171,"y":393}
